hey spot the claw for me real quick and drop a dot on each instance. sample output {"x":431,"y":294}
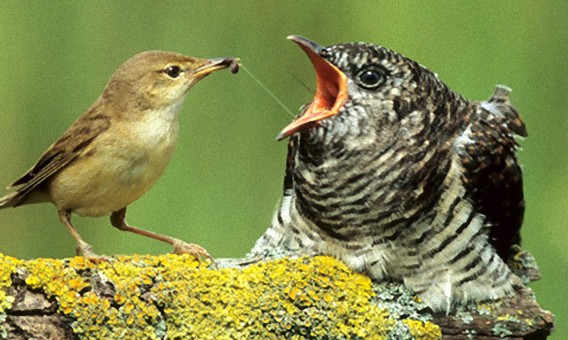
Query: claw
{"x":85,"y":249}
{"x":180,"y":247}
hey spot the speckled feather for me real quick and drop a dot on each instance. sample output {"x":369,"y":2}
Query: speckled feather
{"x":409,"y":181}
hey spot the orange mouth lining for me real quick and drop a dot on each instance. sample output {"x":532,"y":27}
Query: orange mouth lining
{"x":331,"y":91}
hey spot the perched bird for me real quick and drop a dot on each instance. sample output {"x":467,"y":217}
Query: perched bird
{"x":402,"y":178}
{"x":116,"y":151}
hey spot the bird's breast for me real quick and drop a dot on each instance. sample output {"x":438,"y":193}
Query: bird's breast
{"x":117,"y":168}
{"x":144,"y":157}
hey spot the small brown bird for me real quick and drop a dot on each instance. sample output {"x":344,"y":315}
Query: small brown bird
{"x":117,"y":150}
{"x":402,"y":178}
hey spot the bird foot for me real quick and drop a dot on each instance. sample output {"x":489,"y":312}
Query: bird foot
{"x":180,"y":247}
{"x":85,"y":249}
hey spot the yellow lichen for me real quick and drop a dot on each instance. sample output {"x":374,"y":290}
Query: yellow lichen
{"x":423,"y":330}
{"x":8,"y":266}
{"x":173,"y":296}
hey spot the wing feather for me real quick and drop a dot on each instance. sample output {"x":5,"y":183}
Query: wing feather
{"x":492,"y":174}
{"x":61,"y":153}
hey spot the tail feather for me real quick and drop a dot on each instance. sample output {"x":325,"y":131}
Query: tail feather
{"x":499,"y":104}
{"x":10,"y":200}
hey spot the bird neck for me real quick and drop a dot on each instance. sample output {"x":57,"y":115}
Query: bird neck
{"x":140,"y":107}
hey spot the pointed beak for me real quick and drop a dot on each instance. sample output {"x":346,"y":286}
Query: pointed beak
{"x":216,"y":64}
{"x":331,"y":90}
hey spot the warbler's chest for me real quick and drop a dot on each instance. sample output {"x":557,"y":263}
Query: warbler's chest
{"x":146,"y":147}
{"x":116,"y":169}
{"x":152,"y":135}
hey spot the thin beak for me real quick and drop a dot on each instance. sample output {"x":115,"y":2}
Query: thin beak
{"x":331,"y":92}
{"x":217,"y":64}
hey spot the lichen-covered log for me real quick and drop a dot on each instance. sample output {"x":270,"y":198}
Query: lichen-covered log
{"x":173,"y":296}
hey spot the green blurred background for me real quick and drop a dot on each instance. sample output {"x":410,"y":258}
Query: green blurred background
{"x":225,"y":179}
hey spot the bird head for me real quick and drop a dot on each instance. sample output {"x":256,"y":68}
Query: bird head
{"x":364,"y":89}
{"x":157,"y":79}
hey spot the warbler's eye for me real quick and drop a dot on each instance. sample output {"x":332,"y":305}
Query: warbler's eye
{"x":173,"y":71}
{"x":370,"y":78}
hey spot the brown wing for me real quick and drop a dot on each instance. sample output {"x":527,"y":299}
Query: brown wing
{"x":73,"y":142}
{"x":492,"y":174}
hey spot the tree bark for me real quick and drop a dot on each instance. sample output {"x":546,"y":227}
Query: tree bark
{"x":173,"y":296}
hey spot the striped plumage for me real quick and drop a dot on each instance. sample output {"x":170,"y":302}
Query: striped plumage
{"x":405,"y":179}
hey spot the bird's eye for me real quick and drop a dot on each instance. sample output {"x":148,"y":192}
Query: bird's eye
{"x":325,"y":53}
{"x":370,"y":78}
{"x":172,"y":71}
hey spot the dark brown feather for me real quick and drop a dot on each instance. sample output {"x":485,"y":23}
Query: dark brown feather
{"x":493,"y":176}
{"x":61,"y":153}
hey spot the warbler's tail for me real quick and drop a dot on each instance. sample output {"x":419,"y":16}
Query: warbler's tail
{"x":10,"y":200}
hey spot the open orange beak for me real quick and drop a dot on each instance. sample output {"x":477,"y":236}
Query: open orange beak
{"x":331,"y":91}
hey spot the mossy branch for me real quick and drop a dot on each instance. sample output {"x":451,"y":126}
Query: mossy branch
{"x":173,"y":296}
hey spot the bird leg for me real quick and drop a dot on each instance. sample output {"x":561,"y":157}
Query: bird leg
{"x":118,"y":220}
{"x":82,"y":246}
